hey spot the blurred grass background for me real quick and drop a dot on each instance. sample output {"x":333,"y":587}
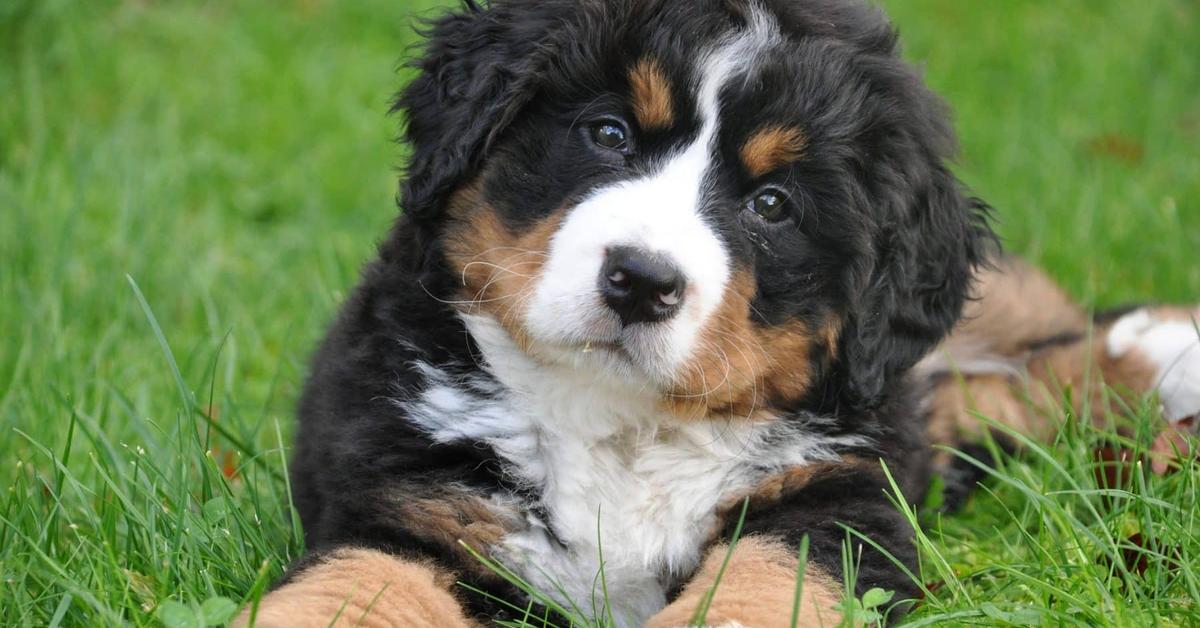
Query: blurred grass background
{"x":234,"y":160}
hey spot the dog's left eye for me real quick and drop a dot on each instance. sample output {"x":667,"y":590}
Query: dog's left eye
{"x":611,"y":134}
{"x":770,"y":204}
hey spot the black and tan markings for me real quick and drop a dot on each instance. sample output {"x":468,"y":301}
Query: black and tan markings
{"x":652,"y":102}
{"x":497,"y":266}
{"x":815,"y":500}
{"x":771,"y":148}
{"x":826,"y":311}
{"x":744,"y":366}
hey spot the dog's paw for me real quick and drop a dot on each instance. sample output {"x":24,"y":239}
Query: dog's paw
{"x":1169,"y":340}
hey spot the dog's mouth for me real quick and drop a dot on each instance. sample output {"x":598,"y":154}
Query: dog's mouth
{"x":621,"y":343}
{"x":602,"y":334}
{"x":609,"y":346}
{"x":632,"y":351}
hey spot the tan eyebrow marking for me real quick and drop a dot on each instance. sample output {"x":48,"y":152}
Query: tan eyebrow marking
{"x":652,"y":102}
{"x":771,"y":147}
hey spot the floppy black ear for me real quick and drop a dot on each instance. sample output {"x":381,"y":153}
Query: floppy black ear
{"x":479,"y":68}
{"x":922,"y":274}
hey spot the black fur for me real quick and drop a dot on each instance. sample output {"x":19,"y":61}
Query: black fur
{"x":825,"y":509}
{"x":882,"y":238}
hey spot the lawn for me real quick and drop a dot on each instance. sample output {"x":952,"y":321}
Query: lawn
{"x":187,"y":190}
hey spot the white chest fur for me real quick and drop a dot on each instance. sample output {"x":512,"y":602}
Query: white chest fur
{"x":615,"y":474}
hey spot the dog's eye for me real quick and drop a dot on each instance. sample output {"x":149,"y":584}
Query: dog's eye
{"x":770,"y":204}
{"x":610,"y":134}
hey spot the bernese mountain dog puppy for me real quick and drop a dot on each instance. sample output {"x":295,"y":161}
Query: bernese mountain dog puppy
{"x":659,"y":262}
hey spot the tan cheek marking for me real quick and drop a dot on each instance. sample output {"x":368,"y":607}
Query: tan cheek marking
{"x":771,"y":148}
{"x":739,"y":367}
{"x":730,"y":361}
{"x":652,"y":102}
{"x":756,"y":589}
{"x":498,"y":269}
{"x":362,"y":587}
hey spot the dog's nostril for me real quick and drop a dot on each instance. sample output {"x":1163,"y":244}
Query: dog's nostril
{"x":640,"y":286}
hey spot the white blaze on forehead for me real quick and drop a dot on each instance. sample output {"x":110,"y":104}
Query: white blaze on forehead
{"x":660,"y":213}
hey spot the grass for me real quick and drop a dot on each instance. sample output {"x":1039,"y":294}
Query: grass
{"x":187,"y":190}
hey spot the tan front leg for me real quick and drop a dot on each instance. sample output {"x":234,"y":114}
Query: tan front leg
{"x":359,"y":587}
{"x":757,"y":589}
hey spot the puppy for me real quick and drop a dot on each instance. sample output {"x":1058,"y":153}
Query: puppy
{"x":658,"y":261}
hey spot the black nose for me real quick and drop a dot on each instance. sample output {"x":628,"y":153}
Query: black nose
{"x":639,"y":286}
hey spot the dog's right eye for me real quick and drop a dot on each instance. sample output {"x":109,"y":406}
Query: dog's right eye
{"x":770,"y":203}
{"x":610,"y":134}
